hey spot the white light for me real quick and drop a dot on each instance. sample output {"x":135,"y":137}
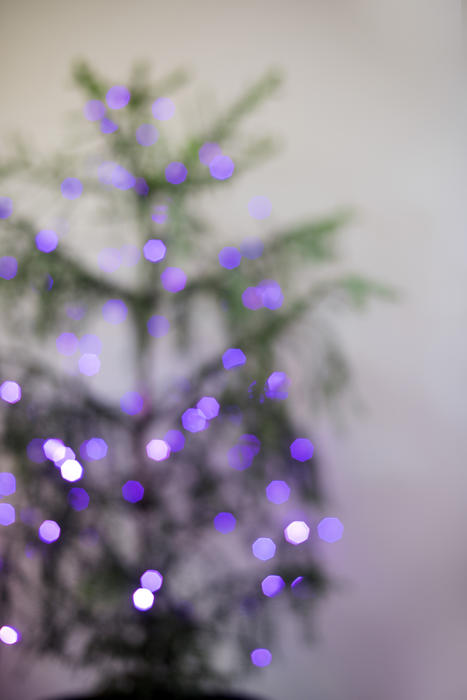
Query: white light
{"x":71,"y":470}
{"x":158,"y":450}
{"x":297,"y":532}
{"x":143,"y":599}
{"x":8,"y":635}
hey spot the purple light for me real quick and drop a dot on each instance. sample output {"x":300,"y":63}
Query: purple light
{"x":252,"y":248}
{"x":240,"y":457}
{"x":49,"y":531}
{"x":158,"y":326}
{"x":132,"y":403}
{"x":141,"y":187}
{"x":173,"y":279}
{"x":330,"y":529}
{"x":76,"y":312}
{"x":209,"y":407}
{"x":71,"y":470}
{"x":252,"y":298}
{"x":193,"y":420}
{"x":130,"y":255}
{"x":152,"y":580}
{"x":297,"y":532}
{"x":132,"y":491}
{"x":301,"y":449}
{"x":143,"y":599}
{"x":230,"y":257}
{"x":163,"y":108}
{"x":233,"y":357}
{"x":271,"y":293}
{"x":154,"y":250}
{"x":277,"y":492}
{"x":272,"y":585}
{"x":94,"y":110}
{"x":89,"y":364}
{"x":122,"y":179}
{"x":6,"y":207}
{"x":7,"y":484}
{"x":95,"y":448}
{"x":7,"y":514}
{"x":114,"y":311}
{"x":46,"y":241}
{"x":62,"y":455}
{"x":277,"y":385}
{"x":109,"y":259}
{"x":221,"y":167}
{"x":8,"y":635}
{"x":8,"y":267}
{"x":208,"y":152}
{"x":158,"y":450}
{"x":224,"y":523}
{"x":35,"y":451}
{"x":261,"y":657}
{"x":10,"y":392}
{"x":296,"y":581}
{"x":175,"y":439}
{"x":259,"y":207}
{"x":78,"y":498}
{"x":263,"y":548}
{"x":67,"y":344}
{"x":108,"y":126}
{"x":71,"y":188}
{"x":159,"y":213}
{"x":118,"y":97}
{"x":147,"y":134}
{"x":175,"y":173}
{"x":90,"y":343}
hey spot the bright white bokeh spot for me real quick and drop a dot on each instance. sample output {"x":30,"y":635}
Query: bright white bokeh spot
{"x":8,"y":635}
{"x":297,"y":532}
{"x":71,"y":470}
{"x":158,"y":450}
{"x":143,"y":599}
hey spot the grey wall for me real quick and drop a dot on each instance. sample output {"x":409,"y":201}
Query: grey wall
{"x":371,"y":115}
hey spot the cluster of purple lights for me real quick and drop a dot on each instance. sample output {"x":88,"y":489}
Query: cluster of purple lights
{"x":221,"y":167}
{"x":89,"y":345}
{"x":267,"y":293}
{"x":194,"y":420}
{"x":241,"y":455}
{"x":151,"y":582}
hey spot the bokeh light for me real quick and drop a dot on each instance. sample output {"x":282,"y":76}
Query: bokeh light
{"x":108,"y":126}
{"x":230,"y":257}
{"x":193,"y":420}
{"x":7,"y":484}
{"x":132,"y":403}
{"x":173,"y":279}
{"x":7,"y":514}
{"x":175,"y":173}
{"x":208,"y":152}
{"x":158,"y":450}
{"x":94,"y":449}
{"x":54,"y":449}
{"x":263,"y":548}
{"x":159,"y":213}
{"x":261,"y":657}
{"x":71,"y":470}
{"x":132,"y":491}
{"x":152,"y":580}
{"x":259,"y":207}
{"x":252,"y":298}
{"x":271,"y":293}
{"x":46,"y":241}
{"x":71,"y":188}
{"x":233,"y":357}
{"x":10,"y":392}
{"x":6,"y":207}
{"x":109,"y":259}
{"x":114,"y":311}
{"x":296,"y":581}
{"x":8,"y":635}
{"x":49,"y":531}
{"x":118,"y":97}
{"x":225,"y":522}
{"x":147,"y":134}
{"x":209,"y":407}
{"x":301,"y":449}
{"x":278,"y":492}
{"x":154,"y":250}
{"x":143,"y":599}
{"x":277,"y":386}
{"x":141,"y":187}
{"x":297,"y":532}
{"x":221,"y":167}
{"x":241,"y":455}
{"x":78,"y":498}
{"x":121,"y":178}
{"x":175,"y":439}
{"x":330,"y":529}
{"x":158,"y":326}
{"x":94,"y":110}
{"x":163,"y":108}
{"x":8,"y":267}
{"x":89,"y":364}
{"x":67,"y":343}
{"x":272,"y":585}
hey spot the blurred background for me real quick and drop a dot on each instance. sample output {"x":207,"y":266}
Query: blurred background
{"x":370,"y":116}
